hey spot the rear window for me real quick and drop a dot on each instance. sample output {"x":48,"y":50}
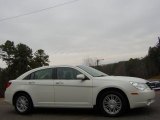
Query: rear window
{"x":40,"y":74}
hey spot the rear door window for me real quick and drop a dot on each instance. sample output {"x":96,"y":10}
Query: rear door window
{"x":40,"y":74}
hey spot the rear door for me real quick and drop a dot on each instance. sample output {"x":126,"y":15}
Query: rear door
{"x":40,"y":86}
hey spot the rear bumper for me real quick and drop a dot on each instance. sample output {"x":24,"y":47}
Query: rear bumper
{"x":8,"y":97}
{"x":142,"y":99}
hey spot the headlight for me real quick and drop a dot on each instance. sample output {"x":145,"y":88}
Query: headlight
{"x":140,"y":86}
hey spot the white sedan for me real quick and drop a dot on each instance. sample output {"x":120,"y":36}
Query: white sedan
{"x":77,"y":87}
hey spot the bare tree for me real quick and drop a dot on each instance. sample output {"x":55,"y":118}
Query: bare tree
{"x":90,"y":61}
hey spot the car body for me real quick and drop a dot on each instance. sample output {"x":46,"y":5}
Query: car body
{"x":77,"y":87}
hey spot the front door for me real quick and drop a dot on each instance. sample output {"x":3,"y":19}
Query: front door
{"x":70,"y":91}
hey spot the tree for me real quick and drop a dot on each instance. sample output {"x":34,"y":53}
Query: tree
{"x":23,"y":57}
{"x":4,"y":77}
{"x":158,"y":44}
{"x":1,"y":84}
{"x":20,"y":58}
{"x":154,"y":54}
{"x":7,"y":52}
{"x":146,"y":67}
{"x":40,"y":59}
{"x":158,"y":52}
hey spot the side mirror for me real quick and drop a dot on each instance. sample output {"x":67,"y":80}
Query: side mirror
{"x":81,"y":77}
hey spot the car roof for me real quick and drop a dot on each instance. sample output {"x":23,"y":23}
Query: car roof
{"x":43,"y":67}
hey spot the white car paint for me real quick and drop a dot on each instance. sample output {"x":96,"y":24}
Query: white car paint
{"x":77,"y":93}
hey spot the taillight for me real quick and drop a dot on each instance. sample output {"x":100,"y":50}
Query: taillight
{"x":7,"y":84}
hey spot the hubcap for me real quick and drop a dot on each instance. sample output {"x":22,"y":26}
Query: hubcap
{"x":112,"y":104}
{"x":22,"y":104}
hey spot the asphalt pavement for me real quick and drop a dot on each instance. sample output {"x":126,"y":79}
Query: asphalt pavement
{"x":152,"y":112}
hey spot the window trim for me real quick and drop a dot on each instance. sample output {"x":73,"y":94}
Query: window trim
{"x":56,"y":76}
{"x":52,"y":74}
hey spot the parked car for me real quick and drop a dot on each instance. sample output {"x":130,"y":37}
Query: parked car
{"x":154,"y":85}
{"x":77,"y":87}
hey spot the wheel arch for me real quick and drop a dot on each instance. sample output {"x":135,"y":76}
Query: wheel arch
{"x":20,"y":92}
{"x":112,"y":89}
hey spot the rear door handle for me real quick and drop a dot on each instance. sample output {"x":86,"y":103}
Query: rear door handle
{"x":59,"y":83}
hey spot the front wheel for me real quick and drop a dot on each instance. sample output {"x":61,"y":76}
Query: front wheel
{"x":112,"y":103}
{"x":23,"y":104}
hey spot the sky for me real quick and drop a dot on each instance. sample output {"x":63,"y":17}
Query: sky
{"x":71,"y":31}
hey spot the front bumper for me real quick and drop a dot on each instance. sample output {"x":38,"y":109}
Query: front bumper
{"x":142,"y":99}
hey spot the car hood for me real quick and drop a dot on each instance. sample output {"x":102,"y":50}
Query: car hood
{"x":122,"y":78}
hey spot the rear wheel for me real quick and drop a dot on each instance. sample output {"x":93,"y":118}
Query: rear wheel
{"x":112,"y":103}
{"x":23,"y":104}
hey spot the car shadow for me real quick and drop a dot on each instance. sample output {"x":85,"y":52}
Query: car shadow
{"x":65,"y":111}
{"x":90,"y":112}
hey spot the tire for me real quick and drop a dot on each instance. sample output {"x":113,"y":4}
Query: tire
{"x":112,"y":103}
{"x":23,"y":103}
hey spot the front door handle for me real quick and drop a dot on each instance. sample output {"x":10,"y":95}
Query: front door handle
{"x":31,"y":83}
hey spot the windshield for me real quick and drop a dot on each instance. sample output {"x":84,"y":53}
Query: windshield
{"x":93,"y":72}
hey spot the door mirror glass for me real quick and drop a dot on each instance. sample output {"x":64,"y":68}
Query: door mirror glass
{"x":81,"y":77}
